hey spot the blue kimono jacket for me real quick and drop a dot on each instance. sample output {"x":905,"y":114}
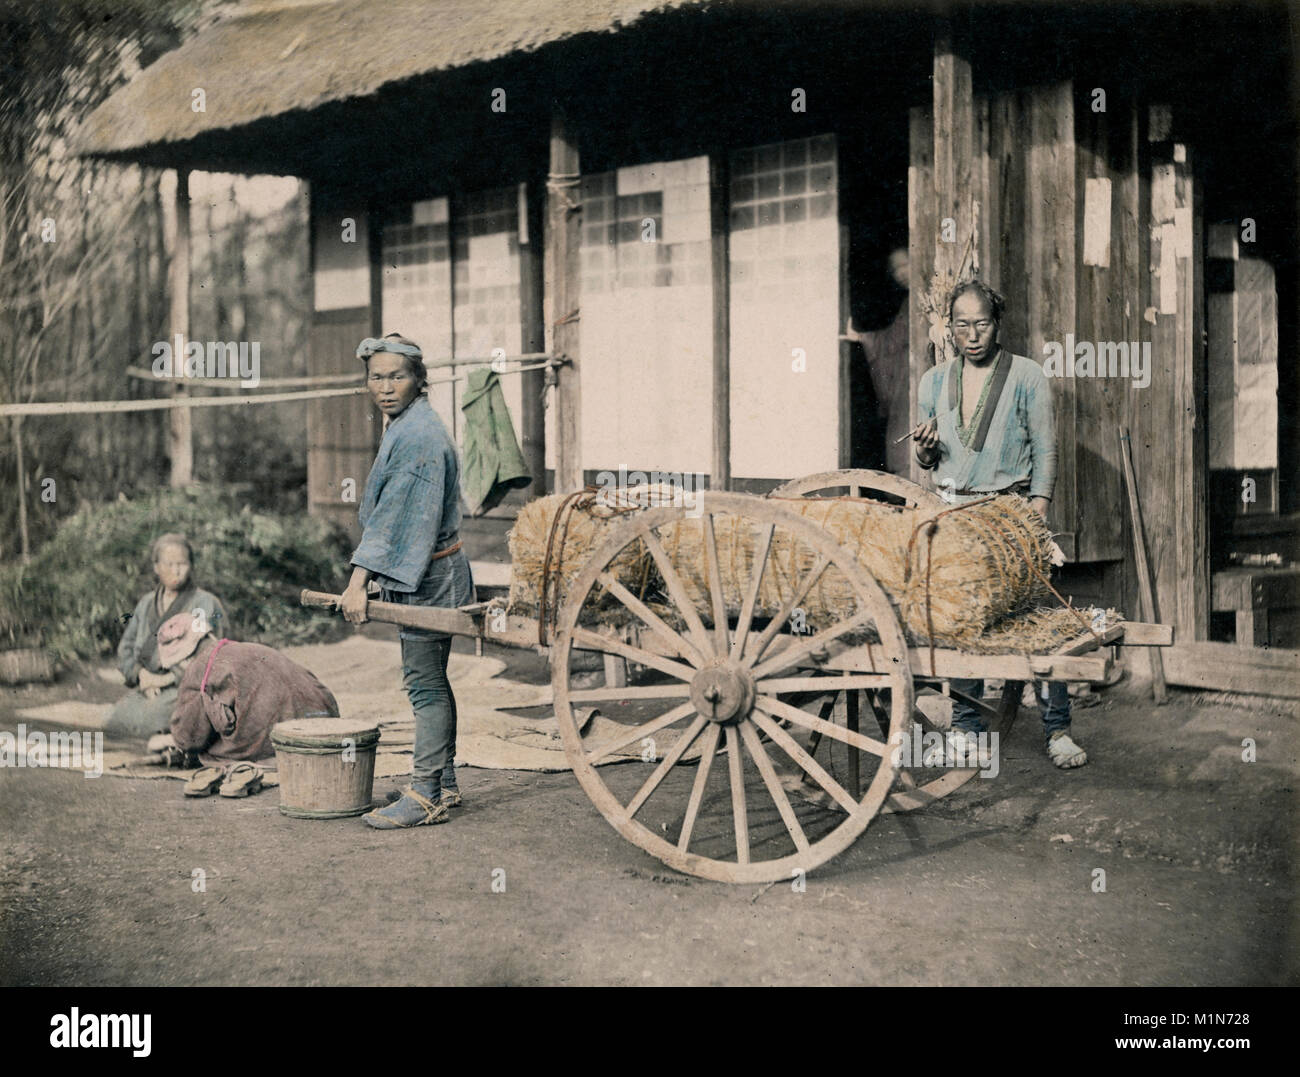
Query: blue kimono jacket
{"x":139,"y":646}
{"x":410,"y":509}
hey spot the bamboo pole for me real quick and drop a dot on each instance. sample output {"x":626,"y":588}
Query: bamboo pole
{"x":102,"y":407}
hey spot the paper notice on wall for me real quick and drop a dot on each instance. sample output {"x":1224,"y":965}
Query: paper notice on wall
{"x":1183,"y":225}
{"x":1168,"y":270}
{"x":1096,"y":222}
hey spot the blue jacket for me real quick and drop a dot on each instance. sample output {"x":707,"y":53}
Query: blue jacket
{"x":1020,"y":445}
{"x":411,"y":504}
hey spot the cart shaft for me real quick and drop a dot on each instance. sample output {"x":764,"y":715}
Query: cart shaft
{"x":435,"y":618}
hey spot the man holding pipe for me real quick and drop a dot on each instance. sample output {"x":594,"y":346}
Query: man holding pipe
{"x":410,"y":518}
{"x":987,"y":427}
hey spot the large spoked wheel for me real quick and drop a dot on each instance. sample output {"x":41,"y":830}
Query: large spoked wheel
{"x":916,"y":785}
{"x":730,"y":687}
{"x":858,"y":482}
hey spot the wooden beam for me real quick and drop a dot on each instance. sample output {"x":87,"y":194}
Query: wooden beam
{"x":181,"y":430}
{"x":1143,"y":634}
{"x":1228,"y":668}
{"x":532,"y":319}
{"x":923,"y":235}
{"x":1170,"y":450}
{"x":435,"y":618}
{"x":720,"y":248}
{"x":954,"y":150}
{"x":563,"y":285}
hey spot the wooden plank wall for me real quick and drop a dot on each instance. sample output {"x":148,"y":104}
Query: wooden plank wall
{"x":1051,"y":293}
{"x":1025,"y":195}
{"x":1108,"y":310}
{"x":1168,"y":418}
{"x":1035,"y":149}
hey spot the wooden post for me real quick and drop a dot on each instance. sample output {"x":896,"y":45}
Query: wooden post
{"x":1169,"y":425}
{"x":181,"y":440}
{"x":564,"y":233}
{"x":532,"y":317}
{"x":720,"y":246}
{"x":954,"y":148}
{"x":923,"y":235}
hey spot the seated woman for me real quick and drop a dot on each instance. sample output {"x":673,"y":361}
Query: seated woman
{"x":147,"y":710}
{"x":230,"y":696}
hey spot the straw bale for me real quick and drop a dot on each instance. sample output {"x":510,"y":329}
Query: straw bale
{"x":984,"y":562}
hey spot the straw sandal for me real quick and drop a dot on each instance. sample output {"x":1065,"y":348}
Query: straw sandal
{"x":413,"y":809}
{"x":243,"y":780}
{"x":1064,"y":752}
{"x":449,"y":798}
{"x":204,"y":782}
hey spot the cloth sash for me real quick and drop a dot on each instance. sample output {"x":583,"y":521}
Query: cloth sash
{"x":1000,"y":373}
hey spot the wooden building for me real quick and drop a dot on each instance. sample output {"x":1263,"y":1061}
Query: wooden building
{"x":686,"y":200}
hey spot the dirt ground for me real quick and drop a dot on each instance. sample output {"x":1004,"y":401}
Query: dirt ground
{"x":994,"y":885}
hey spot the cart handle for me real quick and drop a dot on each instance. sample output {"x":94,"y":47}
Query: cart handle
{"x":435,"y":618}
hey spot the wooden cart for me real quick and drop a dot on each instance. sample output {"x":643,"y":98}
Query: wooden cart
{"x":736,"y":693}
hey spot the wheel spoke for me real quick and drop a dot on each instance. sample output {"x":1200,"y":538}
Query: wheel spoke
{"x":653,"y":621}
{"x":863,"y":743}
{"x":777,"y":622}
{"x":646,"y":729}
{"x":586,"y":639}
{"x":759,"y":566}
{"x":665,"y":765}
{"x":740,"y":818}
{"x":701,"y":780}
{"x":810,"y":765}
{"x":784,"y":685}
{"x":677,"y":590}
{"x":797,"y":652}
{"x":765,"y":768}
{"x":720,"y":641}
{"x":647,"y":691}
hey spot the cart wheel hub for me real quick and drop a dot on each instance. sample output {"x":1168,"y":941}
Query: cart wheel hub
{"x":723,"y":691}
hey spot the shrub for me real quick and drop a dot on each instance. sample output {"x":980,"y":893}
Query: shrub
{"x":76,"y":594}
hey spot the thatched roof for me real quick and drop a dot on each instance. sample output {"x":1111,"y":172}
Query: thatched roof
{"x":321,"y":87}
{"x":268,"y":60}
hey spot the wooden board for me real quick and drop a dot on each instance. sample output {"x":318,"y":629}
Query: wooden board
{"x":1169,"y":418}
{"x":1228,"y":668}
{"x":923,"y":234}
{"x":1099,"y":402}
{"x":1141,"y":634}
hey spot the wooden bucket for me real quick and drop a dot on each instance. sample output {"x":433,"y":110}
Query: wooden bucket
{"x":327,"y":766}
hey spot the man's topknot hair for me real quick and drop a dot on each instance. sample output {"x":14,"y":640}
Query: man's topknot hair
{"x":995,"y":301}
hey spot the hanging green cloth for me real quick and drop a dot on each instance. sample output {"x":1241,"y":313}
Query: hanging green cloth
{"x":493,"y":464}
